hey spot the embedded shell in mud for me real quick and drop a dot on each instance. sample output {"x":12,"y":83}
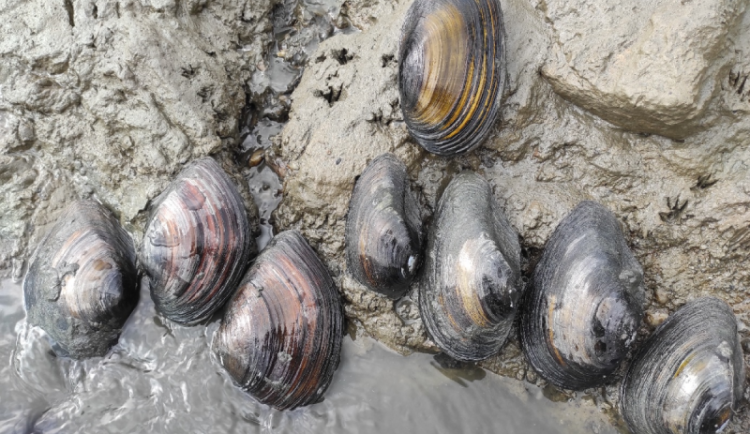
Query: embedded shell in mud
{"x":451,"y":72}
{"x":81,"y":284}
{"x":472,"y":286}
{"x":280,"y":338}
{"x":384,"y":228}
{"x":197,"y":243}
{"x":585,"y":303}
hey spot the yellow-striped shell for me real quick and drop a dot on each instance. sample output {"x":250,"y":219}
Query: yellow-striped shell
{"x":472,"y":286}
{"x":451,"y":72}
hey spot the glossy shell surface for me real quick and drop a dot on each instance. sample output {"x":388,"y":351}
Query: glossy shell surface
{"x":451,"y":72}
{"x":81,"y":284}
{"x":197,"y":243}
{"x":689,"y":375}
{"x":280,"y":338}
{"x":584,"y":308}
{"x":383,"y":228}
{"x":472,"y":286}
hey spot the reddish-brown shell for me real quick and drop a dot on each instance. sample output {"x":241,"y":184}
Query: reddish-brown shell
{"x":280,"y":338}
{"x":197,"y":243}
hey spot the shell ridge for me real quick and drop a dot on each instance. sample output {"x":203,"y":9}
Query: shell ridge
{"x":300,"y":345}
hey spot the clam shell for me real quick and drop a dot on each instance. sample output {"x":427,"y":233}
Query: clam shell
{"x":586,"y":302}
{"x":197,"y":243}
{"x":451,"y":72}
{"x":384,"y":229}
{"x":81,"y":284}
{"x":472,"y":282}
{"x":280,"y":338}
{"x":689,"y":376}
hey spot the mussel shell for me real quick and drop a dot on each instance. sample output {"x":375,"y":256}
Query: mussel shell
{"x":689,"y":376}
{"x":585,"y":305}
{"x":451,"y":72}
{"x":280,"y":338}
{"x":197,"y":243}
{"x":384,"y":229}
{"x":81,"y":284}
{"x":472,"y":285}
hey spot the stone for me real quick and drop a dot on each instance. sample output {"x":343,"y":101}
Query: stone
{"x":649,"y":67}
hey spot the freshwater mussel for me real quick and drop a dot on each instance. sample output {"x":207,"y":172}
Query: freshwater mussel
{"x":472,"y":285}
{"x":280,"y":338}
{"x":689,"y":376}
{"x":585,"y":305}
{"x":197,"y":243}
{"x":451,"y":72}
{"x":384,"y":228}
{"x":81,"y":284}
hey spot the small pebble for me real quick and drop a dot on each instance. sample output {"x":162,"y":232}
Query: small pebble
{"x":256,"y":158}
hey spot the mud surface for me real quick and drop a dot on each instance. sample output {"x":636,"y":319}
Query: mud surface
{"x":642,"y":109}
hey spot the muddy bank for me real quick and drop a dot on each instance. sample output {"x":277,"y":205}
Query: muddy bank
{"x":110,"y":99}
{"x":643,"y":109}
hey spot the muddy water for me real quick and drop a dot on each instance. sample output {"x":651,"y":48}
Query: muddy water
{"x":161,"y":377}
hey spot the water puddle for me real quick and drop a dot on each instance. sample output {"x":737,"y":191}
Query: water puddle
{"x":162,"y":377}
{"x":298,"y":27}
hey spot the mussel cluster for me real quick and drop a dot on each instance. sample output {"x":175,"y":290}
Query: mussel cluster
{"x":81,"y":283}
{"x":582,"y":312}
{"x":472,"y":286}
{"x":280,"y":337}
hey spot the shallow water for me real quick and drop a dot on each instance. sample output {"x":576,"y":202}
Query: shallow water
{"x":161,"y":377}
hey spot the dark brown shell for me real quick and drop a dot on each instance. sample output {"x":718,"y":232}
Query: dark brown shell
{"x":451,"y":72}
{"x":81,"y":284}
{"x":280,"y":338}
{"x":690,"y":374}
{"x":585,"y":304}
{"x":472,"y":285}
{"x":197,"y":243}
{"x":384,"y":229}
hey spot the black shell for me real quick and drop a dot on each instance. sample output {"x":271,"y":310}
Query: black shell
{"x":197,"y":243}
{"x":586,"y":302}
{"x":451,"y":72}
{"x":280,"y":338}
{"x":472,"y":285}
{"x":689,"y":376}
{"x":384,"y":229}
{"x":81,"y":284}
